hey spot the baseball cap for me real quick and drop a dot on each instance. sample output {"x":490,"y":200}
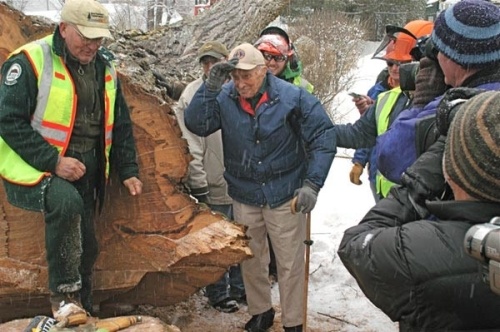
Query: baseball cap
{"x":249,"y":57}
{"x":214,"y":49}
{"x":89,"y":16}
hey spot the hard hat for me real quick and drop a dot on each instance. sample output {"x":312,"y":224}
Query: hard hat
{"x":406,"y":39}
{"x":402,"y":40}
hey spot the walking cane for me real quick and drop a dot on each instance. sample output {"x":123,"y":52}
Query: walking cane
{"x":308,"y":242}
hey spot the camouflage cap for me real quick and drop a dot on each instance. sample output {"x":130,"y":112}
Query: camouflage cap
{"x":213,"y":49}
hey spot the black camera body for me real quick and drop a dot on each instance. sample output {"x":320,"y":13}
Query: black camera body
{"x":482,"y":242}
{"x":408,"y":75}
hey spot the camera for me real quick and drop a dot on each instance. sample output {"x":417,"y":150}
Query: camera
{"x":408,"y":75}
{"x":482,"y":242}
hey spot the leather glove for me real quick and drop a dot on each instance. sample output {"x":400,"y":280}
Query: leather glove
{"x":219,"y":74}
{"x":356,"y":171}
{"x":306,"y":197}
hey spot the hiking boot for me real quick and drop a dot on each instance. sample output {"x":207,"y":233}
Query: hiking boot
{"x":227,"y":305}
{"x":240,"y":299}
{"x":297,"y":328}
{"x":67,"y":309}
{"x":261,"y":322}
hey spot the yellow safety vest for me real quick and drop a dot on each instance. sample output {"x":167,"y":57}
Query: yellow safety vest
{"x":303,"y":83}
{"x":55,"y":111}
{"x":385,"y":103}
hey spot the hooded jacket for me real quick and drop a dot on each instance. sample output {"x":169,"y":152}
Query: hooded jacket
{"x":417,"y":271}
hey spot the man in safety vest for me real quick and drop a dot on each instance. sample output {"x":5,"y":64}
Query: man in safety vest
{"x":389,"y":104}
{"x":63,"y":122}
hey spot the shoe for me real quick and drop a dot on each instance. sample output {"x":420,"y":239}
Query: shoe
{"x":227,"y":305}
{"x":261,"y":322}
{"x":240,"y":299}
{"x":67,"y":309}
{"x":297,"y":328}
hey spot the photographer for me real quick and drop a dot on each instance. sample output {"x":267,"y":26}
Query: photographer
{"x":399,"y":43}
{"x":466,"y":60}
{"x":417,"y":271}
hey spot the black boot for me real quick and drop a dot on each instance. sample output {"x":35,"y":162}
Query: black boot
{"x":261,"y":322}
{"x":297,"y":328}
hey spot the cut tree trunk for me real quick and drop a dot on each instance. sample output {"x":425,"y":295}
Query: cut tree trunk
{"x":160,"y":247}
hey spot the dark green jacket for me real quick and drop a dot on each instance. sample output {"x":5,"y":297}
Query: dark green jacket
{"x":17,"y":104}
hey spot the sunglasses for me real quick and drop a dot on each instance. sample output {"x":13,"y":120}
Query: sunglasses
{"x":277,"y":58}
{"x":397,"y":63}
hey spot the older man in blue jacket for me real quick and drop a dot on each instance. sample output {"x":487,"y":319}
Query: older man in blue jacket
{"x":277,"y":142}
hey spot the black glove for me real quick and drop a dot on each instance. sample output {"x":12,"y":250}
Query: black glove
{"x":219,"y":74}
{"x":306,"y":197}
{"x":450,"y":104}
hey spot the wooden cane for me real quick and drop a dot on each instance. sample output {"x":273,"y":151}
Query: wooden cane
{"x":117,"y":323}
{"x":308,"y":243}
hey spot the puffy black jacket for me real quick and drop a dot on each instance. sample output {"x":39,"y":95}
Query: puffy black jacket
{"x":417,"y":271}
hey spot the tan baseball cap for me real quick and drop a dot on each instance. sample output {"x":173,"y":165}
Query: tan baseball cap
{"x":89,"y":16}
{"x":214,"y":49}
{"x":249,"y":57}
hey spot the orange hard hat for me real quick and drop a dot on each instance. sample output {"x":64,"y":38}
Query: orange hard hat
{"x":274,"y":44}
{"x":406,"y":39}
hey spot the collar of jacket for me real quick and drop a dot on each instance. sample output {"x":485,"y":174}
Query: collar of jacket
{"x":58,"y":48}
{"x":475,"y":212}
{"x":288,"y":74}
{"x":486,"y":75}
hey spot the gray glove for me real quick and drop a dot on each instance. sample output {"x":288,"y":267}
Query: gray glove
{"x":219,"y":73}
{"x":306,"y":197}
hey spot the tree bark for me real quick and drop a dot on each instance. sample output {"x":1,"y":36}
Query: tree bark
{"x":160,"y":247}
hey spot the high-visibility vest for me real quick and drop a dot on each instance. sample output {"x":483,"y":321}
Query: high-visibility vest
{"x":55,"y":111}
{"x":303,"y":83}
{"x":385,"y":103}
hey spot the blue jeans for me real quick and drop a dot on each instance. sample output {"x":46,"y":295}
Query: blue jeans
{"x":231,"y":283}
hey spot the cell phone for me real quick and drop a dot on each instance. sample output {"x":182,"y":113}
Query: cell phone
{"x":355,"y":95}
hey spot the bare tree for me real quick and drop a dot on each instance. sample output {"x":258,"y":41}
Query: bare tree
{"x":329,"y":45}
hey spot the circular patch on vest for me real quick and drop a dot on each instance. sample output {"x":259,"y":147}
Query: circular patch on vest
{"x":13,"y":74}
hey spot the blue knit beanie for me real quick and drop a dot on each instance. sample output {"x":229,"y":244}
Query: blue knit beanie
{"x":469,"y":33}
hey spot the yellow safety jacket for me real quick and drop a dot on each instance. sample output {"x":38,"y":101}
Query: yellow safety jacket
{"x":55,"y":111}
{"x":303,"y":83}
{"x":385,"y":104}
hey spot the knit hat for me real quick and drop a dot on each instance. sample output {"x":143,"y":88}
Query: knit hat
{"x":472,"y":150}
{"x":469,"y":33}
{"x":429,"y":82}
{"x":249,"y":57}
{"x":213,"y":49}
{"x":89,"y":16}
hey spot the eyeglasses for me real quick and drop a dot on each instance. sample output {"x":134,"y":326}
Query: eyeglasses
{"x":277,"y":58}
{"x":397,"y":63}
{"x":87,"y":41}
